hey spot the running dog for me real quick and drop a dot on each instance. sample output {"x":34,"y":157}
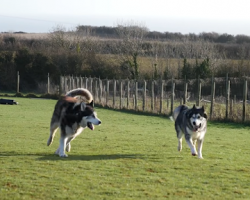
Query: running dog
{"x":72,"y":114}
{"x":192,"y":122}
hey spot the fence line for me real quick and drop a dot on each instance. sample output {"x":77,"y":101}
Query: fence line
{"x":218,"y":95}
{"x":161,"y":96}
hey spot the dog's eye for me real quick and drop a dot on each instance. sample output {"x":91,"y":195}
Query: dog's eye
{"x":199,"y":117}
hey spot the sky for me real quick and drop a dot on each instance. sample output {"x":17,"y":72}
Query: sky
{"x":183,"y":16}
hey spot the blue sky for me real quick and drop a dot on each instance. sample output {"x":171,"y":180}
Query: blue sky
{"x":185,"y":16}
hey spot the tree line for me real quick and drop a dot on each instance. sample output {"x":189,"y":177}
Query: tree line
{"x":111,"y":32}
{"x":128,"y":50}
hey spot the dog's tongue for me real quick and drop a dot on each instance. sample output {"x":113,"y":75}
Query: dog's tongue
{"x":90,"y":126}
{"x":196,"y":128}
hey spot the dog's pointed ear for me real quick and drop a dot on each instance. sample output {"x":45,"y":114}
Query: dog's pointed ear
{"x":83,"y":106}
{"x":194,"y":106}
{"x":203,"y":111}
{"x":205,"y":115}
{"x":91,"y":104}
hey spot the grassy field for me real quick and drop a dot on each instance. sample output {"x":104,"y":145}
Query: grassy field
{"x":130,"y":156}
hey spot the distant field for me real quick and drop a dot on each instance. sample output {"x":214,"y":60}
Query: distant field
{"x":130,"y":156}
{"x":26,"y":35}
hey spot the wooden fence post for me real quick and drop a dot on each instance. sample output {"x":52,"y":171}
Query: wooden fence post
{"x":231,"y":108}
{"x":212,"y":97}
{"x":107,"y":92}
{"x":48,"y":84}
{"x":100,"y":90}
{"x":144,"y":96}
{"x":181,"y":101}
{"x":172,"y":97}
{"x":136,"y":95}
{"x":18,"y":82}
{"x":86,"y":82}
{"x":120,"y":94}
{"x":77,"y":82}
{"x":128,"y":90}
{"x":244,"y":101}
{"x":161,"y":96}
{"x":81,"y":82}
{"x":73,"y":82}
{"x":227,"y":97}
{"x":60,"y":85}
{"x":185,"y":93}
{"x":114,"y":92}
{"x":70,"y":83}
{"x":64,"y":84}
{"x":91,"y":85}
{"x":152,"y":96}
{"x":198,"y":92}
{"x":95,"y":89}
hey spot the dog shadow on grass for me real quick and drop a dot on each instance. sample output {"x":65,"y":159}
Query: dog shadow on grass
{"x":46,"y":156}
{"x":92,"y":157}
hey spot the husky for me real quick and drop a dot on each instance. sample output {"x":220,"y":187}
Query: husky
{"x":72,"y":114}
{"x":192,"y":122}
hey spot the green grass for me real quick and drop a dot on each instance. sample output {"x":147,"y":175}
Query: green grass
{"x":130,"y":156}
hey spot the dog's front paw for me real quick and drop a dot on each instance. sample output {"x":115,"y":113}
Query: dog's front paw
{"x":63,"y":155}
{"x":193,"y":151}
{"x":200,"y":156}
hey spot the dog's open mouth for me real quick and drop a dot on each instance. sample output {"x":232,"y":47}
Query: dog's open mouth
{"x":196,"y":128}
{"x":90,"y":126}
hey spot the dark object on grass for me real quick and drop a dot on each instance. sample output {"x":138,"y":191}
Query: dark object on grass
{"x":8,"y":101}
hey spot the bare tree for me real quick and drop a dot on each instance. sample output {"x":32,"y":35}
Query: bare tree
{"x":131,"y":46}
{"x":77,"y":48}
{"x":59,"y":37}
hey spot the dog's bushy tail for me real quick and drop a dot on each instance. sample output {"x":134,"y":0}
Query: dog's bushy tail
{"x":171,"y":118}
{"x":81,"y":93}
{"x":177,"y":112}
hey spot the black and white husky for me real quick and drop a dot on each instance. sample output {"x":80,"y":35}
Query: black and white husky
{"x":72,"y":114}
{"x":192,"y":122}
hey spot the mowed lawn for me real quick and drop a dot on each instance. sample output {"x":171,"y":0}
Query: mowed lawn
{"x":130,"y":156}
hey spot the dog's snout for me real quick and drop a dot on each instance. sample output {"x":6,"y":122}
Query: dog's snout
{"x":194,"y":123}
{"x":100,"y":122}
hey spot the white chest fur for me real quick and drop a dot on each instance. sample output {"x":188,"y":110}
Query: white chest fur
{"x":74,"y":130}
{"x":196,"y":135}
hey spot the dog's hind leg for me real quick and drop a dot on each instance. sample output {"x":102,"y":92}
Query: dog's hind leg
{"x":179,"y":144}
{"x":200,"y":143}
{"x":53,"y":129}
{"x":68,"y":145}
{"x":179,"y":136}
